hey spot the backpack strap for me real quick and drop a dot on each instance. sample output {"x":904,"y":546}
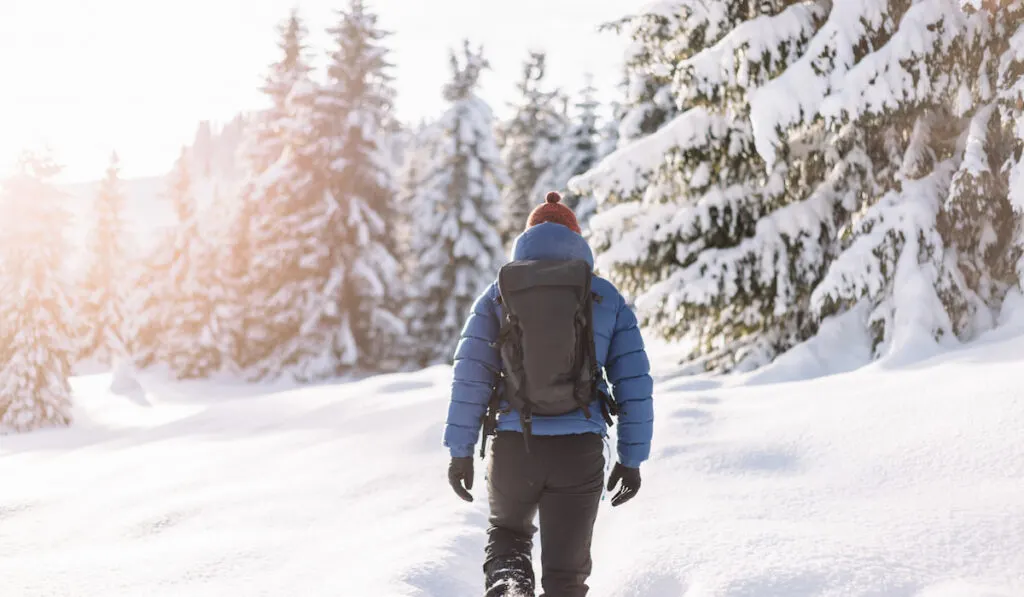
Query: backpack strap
{"x":510,"y":341}
{"x":609,"y":408}
{"x":490,"y":426}
{"x":583,"y":374}
{"x":587,"y":371}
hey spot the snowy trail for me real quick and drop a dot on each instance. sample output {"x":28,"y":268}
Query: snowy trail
{"x":886,"y":483}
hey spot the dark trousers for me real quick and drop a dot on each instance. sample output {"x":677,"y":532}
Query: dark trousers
{"x":562,"y":478}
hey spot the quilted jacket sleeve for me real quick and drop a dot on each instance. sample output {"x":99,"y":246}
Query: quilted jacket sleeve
{"x":629,"y":372}
{"x":477,"y":364}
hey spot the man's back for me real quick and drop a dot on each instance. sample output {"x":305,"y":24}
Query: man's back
{"x":559,"y":473}
{"x":619,"y":349}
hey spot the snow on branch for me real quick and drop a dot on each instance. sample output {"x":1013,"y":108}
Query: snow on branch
{"x":629,"y":168}
{"x":1011,"y":75}
{"x":749,"y":54}
{"x":795,"y":97}
{"x":765,"y":258}
{"x":897,"y":260}
{"x":664,"y":8}
{"x":904,"y":70}
{"x":975,"y":162}
{"x":628,"y":231}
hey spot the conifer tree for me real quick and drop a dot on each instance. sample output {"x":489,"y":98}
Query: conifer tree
{"x":36,"y":326}
{"x":609,"y":135}
{"x":275,"y":234}
{"x":105,"y":304}
{"x":418,"y":157}
{"x":176,"y":307}
{"x":289,"y":293}
{"x":811,"y":174}
{"x":416,"y":163}
{"x":264,"y":143}
{"x":192,"y":347}
{"x":688,"y":196}
{"x":576,"y":152}
{"x":362,"y":267}
{"x":458,"y":206}
{"x":234,"y":257}
{"x":650,"y":65}
{"x":936,"y":245}
{"x":528,"y":144}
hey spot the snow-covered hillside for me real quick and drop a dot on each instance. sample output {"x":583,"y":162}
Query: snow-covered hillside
{"x":881,"y":482}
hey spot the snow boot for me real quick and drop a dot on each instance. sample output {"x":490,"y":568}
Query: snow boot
{"x":509,"y":576}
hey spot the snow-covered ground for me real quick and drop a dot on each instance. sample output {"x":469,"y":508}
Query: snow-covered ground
{"x":880,"y":482}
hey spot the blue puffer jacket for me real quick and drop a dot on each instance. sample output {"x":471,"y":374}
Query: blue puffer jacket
{"x":620,"y":351}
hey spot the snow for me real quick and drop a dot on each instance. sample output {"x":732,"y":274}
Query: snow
{"x":629,"y":168}
{"x":799,"y":92}
{"x":890,"y":482}
{"x":898,"y":73}
{"x":842,"y":344}
{"x":749,"y":53}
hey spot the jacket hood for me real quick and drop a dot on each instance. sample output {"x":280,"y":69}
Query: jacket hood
{"x":551,"y":241}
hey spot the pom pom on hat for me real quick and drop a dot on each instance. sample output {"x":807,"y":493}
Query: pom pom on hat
{"x":553,"y":211}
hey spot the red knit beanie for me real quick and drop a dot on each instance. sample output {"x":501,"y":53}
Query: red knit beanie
{"x":555,"y":212}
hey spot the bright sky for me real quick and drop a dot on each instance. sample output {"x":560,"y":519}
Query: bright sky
{"x":89,"y":76}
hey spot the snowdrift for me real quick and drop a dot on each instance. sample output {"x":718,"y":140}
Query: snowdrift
{"x":883,"y":482}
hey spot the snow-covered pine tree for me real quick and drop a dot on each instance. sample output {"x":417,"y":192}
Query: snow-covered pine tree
{"x":576,"y":152}
{"x":458,"y":203}
{"x":232,"y":301}
{"x":104,"y":310}
{"x":934,"y":254}
{"x":805,"y":177}
{"x":148,"y":308}
{"x":172,"y":300}
{"x":264,"y":144}
{"x":283,"y":197}
{"x":981,"y":219}
{"x":362,"y":268}
{"x":143,"y":325}
{"x":528,"y":146}
{"x":36,"y":327}
{"x":648,"y":100}
{"x":715,"y":245}
{"x":220,"y":252}
{"x":650,"y":62}
{"x":289,"y":293}
{"x":609,"y":135}
{"x":1009,"y":75}
{"x":418,"y":153}
{"x":187,"y":308}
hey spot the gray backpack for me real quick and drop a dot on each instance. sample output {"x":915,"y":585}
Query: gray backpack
{"x":549,"y":365}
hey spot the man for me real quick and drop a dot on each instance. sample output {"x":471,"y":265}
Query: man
{"x":507,"y":366}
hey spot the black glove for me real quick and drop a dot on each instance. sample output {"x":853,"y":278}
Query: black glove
{"x":460,"y":472}
{"x":630,"y":478}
